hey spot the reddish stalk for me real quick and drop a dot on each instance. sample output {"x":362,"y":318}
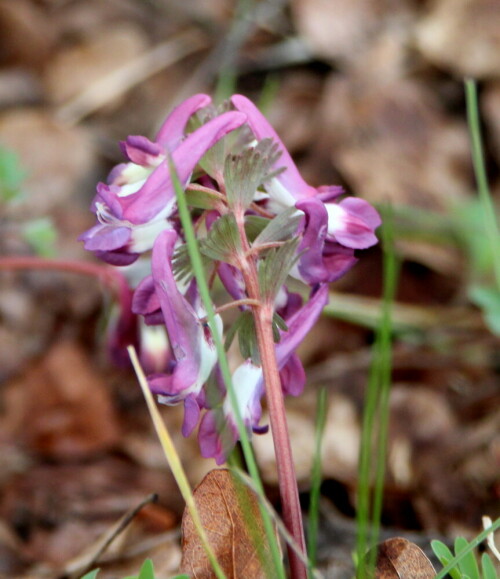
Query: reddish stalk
{"x":287,"y":478}
{"x":112,"y":279}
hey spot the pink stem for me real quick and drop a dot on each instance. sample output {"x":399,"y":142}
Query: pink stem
{"x":111,"y":278}
{"x":287,"y":479}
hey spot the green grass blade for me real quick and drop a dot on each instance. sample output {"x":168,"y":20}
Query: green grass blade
{"x":197,"y":263}
{"x":376,"y":405}
{"x":312,"y":538}
{"x":91,"y":575}
{"x":384,"y":349}
{"x":489,"y":216}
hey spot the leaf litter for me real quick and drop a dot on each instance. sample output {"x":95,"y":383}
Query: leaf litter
{"x":377,"y":107}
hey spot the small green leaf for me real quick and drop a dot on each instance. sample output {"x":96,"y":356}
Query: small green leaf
{"x":468,"y":565}
{"x":41,"y":235}
{"x":281,"y":227}
{"x":222,"y":242}
{"x":278,"y":324}
{"x":181,"y":577}
{"x":489,"y":571}
{"x":246,"y":172}
{"x":445,"y":556}
{"x":11,"y":176}
{"x":247,"y":338}
{"x":182,"y":267}
{"x":488,"y":299}
{"x":91,"y":575}
{"x":231,"y":332}
{"x":147,"y":570}
{"x":275,"y":267}
{"x":254,"y":225}
{"x":201,"y":199}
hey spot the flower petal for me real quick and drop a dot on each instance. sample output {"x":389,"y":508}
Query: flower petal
{"x":157,"y":195}
{"x":290,"y":179}
{"x":172,"y":131}
{"x":319,"y":262}
{"x":352,"y":223}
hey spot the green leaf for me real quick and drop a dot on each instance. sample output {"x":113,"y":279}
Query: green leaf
{"x":488,"y":299}
{"x":281,"y":227}
{"x":246,"y":172}
{"x":445,"y":556}
{"x":468,"y":565}
{"x":41,"y":235}
{"x":91,"y":575}
{"x":231,"y":332}
{"x":247,"y":338}
{"x":182,"y":267}
{"x":222,"y":242}
{"x":489,"y":571}
{"x":278,"y":324}
{"x":181,"y":577}
{"x":201,"y":199}
{"x":11,"y":176}
{"x":254,"y":225}
{"x":147,"y":570}
{"x":275,"y":267}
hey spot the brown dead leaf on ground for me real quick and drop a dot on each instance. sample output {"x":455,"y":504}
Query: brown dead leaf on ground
{"x":58,"y":160}
{"x":226,"y":508}
{"x":463,"y":36}
{"x":73,"y":69}
{"x":399,"y":558}
{"x":62,"y":409}
{"x":344,"y":31}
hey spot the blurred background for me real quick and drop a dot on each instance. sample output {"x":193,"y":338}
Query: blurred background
{"x":368,"y":94}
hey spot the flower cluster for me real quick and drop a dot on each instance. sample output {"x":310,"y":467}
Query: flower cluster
{"x":254,"y":215}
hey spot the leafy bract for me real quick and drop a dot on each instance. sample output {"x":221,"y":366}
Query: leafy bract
{"x":275,"y":267}
{"x":246,"y":172}
{"x":222,"y":242}
{"x":281,"y":227}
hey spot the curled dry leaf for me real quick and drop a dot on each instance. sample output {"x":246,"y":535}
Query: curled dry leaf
{"x":399,"y":558}
{"x":344,"y":30}
{"x":56,"y":159}
{"x":230,"y":515}
{"x":75,"y":68}
{"x":462,"y":35}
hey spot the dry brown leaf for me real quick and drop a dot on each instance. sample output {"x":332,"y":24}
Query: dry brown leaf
{"x":26,"y":34}
{"x":57,"y":159}
{"x":229,"y":512}
{"x":463,"y":35}
{"x":72,"y":70}
{"x":61,"y":407}
{"x":335,"y":29}
{"x":399,"y":558}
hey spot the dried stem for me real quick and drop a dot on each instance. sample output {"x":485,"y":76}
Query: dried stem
{"x":287,"y":479}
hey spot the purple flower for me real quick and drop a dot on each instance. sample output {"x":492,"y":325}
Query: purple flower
{"x":218,"y":431}
{"x":330,"y":227}
{"x":139,"y":198}
{"x":193,"y":354}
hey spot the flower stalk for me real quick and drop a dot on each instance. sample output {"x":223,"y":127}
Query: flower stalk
{"x":287,"y":479}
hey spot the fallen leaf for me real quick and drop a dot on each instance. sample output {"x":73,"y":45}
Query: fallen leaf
{"x":229,"y":512}
{"x":462,"y":35}
{"x":399,"y":558}
{"x":61,"y":407}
